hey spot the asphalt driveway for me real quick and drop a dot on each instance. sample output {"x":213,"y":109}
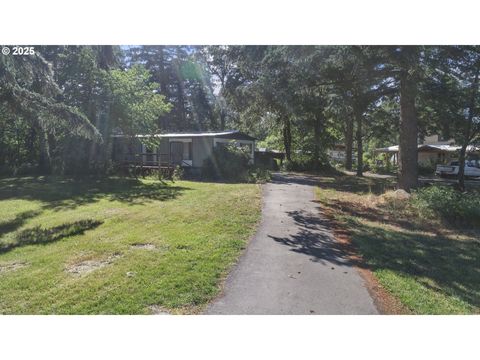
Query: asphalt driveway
{"x":293,"y":265}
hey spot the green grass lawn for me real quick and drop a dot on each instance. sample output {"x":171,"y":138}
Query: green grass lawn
{"x":429,"y":266}
{"x":119,"y":246}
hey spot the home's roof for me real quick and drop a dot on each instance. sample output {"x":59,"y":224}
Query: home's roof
{"x":447,"y":148}
{"x":230,"y":134}
{"x":267,"y":150}
{"x":387,"y":149}
{"x":429,"y":147}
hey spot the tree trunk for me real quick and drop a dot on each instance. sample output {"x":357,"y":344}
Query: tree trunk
{"x":222,"y":105}
{"x":106,"y":57}
{"x":107,"y":145}
{"x":30,"y":142}
{"x":181,"y":103}
{"x":95,"y":120}
{"x":96,"y":159}
{"x":223,"y":117}
{"x":44,"y":160}
{"x":180,"y":108}
{"x":3,"y":153}
{"x":317,"y":129}
{"x":408,"y":151}
{"x":461,"y":167}
{"x":349,"y":144}
{"x":359,"y":135}
{"x":287,"y":138}
{"x":162,"y":74}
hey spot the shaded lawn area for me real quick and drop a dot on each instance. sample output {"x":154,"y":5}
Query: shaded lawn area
{"x":118,"y":246}
{"x":429,"y":266}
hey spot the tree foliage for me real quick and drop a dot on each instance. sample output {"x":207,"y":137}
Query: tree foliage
{"x":135,"y":102}
{"x":59,"y":108}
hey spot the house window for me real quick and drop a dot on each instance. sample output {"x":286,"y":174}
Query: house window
{"x":149,"y":154}
{"x":181,"y":151}
{"x":187,"y":151}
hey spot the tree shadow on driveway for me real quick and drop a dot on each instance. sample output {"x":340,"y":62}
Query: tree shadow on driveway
{"x":316,"y":240}
{"x":294,"y":179}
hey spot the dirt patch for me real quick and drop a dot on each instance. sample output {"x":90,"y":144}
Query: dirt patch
{"x":87,"y":266}
{"x":158,"y":310}
{"x":385,"y":302}
{"x":143,"y":246}
{"x":12,"y":266}
{"x":113,"y":211}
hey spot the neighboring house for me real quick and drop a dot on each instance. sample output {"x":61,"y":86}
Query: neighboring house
{"x":435,"y":149}
{"x":339,"y":153}
{"x":436,"y":140}
{"x":431,"y":151}
{"x":188,"y":150}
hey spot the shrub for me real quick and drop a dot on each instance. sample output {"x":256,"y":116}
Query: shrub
{"x":375,"y":167}
{"x":178,"y":173}
{"x":298,"y":162}
{"x":449,"y":204}
{"x":426,"y":168}
{"x":382,"y":167}
{"x":26,"y":169}
{"x":266,"y":162}
{"x":227,"y":162}
{"x":303,"y":162}
{"x":259,"y":175}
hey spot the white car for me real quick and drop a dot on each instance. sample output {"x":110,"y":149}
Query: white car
{"x":472,"y":169}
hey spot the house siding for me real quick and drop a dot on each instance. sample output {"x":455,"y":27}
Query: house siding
{"x":164,"y":146}
{"x":434,"y":157}
{"x":202,"y":148}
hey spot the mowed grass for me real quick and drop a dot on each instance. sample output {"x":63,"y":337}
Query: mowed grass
{"x":119,"y":246}
{"x":429,"y":266}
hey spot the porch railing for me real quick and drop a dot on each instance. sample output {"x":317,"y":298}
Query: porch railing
{"x":146,"y":159}
{"x":152,"y":160}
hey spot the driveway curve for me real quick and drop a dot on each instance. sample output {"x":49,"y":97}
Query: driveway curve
{"x":293,"y":265}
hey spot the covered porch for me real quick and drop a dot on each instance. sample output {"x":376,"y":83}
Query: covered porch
{"x":165,"y":151}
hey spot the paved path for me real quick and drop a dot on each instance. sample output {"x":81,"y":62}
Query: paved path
{"x":293,"y":265}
